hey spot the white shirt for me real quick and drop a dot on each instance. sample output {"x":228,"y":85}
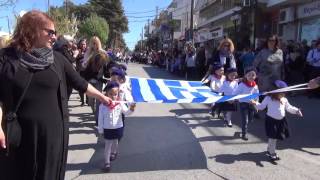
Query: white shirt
{"x":228,"y":87}
{"x":215,"y":83}
{"x":111,"y":119}
{"x":125,"y":92}
{"x":244,"y":89}
{"x":276,"y":109}
{"x":191,"y":61}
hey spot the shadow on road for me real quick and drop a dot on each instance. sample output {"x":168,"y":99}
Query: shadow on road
{"x":257,"y":158}
{"x":149,"y":144}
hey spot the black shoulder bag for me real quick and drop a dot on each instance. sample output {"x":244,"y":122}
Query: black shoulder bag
{"x":13,"y":128}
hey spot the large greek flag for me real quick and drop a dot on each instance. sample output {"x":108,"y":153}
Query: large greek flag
{"x":174,"y":91}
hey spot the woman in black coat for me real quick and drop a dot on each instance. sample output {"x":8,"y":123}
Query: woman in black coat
{"x":43,"y":113}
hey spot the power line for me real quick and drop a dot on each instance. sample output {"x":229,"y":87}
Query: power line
{"x":143,"y":12}
{"x":175,"y":9}
{"x":140,"y":16}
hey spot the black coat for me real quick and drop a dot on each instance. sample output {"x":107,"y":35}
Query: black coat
{"x":57,"y":136}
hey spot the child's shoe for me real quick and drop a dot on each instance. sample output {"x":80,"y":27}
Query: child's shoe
{"x":113,"y":156}
{"x":106,"y":168}
{"x":244,"y":137}
{"x":273,"y":157}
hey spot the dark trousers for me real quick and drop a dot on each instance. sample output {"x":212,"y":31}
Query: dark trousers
{"x":247,"y":112}
{"x":314,"y":72}
{"x":191,"y":73}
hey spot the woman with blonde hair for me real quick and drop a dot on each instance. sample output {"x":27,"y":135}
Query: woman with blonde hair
{"x":95,"y":68}
{"x":223,"y":56}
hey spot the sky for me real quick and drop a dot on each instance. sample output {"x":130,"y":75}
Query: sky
{"x":138,"y":12}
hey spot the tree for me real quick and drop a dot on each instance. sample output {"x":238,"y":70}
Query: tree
{"x":94,"y":26}
{"x":6,"y":3}
{"x":64,"y":24}
{"x":113,"y":12}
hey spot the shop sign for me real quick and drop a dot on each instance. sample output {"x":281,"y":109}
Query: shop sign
{"x":308,"y":10}
{"x":216,"y":32}
{"x":202,"y":35}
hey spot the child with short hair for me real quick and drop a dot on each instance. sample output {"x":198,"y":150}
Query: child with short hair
{"x":110,"y":123}
{"x":276,"y":125}
{"x":227,"y":89}
{"x":216,"y":80}
{"x":247,"y":110}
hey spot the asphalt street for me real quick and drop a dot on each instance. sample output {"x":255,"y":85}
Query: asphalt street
{"x":182,"y":141}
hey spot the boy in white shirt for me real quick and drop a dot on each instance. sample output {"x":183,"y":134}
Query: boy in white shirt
{"x":247,"y":110}
{"x":227,"y":89}
{"x":110,"y":123}
{"x":276,"y":123}
{"x":216,"y":79}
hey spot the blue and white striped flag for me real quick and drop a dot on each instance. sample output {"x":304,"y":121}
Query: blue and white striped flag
{"x":175,"y":91}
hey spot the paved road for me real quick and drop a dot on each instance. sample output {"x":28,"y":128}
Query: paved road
{"x":180,"y":141}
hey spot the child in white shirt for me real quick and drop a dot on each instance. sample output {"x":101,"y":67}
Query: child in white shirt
{"x":227,"y":89}
{"x":276,"y":123}
{"x":216,"y":80}
{"x":110,"y":123}
{"x":247,"y":110}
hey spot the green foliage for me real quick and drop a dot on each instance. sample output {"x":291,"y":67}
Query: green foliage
{"x":110,"y":10}
{"x":94,"y":26}
{"x":64,"y":24}
{"x":113,"y":12}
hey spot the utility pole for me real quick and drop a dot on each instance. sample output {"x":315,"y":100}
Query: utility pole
{"x":48,"y":7}
{"x":8,"y":25}
{"x":66,"y":4}
{"x":148,"y":27}
{"x":142,"y":39}
{"x":191,"y":21}
{"x":157,"y":9}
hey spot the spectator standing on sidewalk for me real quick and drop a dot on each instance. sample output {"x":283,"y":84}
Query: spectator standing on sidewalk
{"x":64,"y":46}
{"x":43,"y":113}
{"x":190,"y":63}
{"x":269,"y":64}
{"x":246,"y":59}
{"x":224,"y":56}
{"x":82,"y":46}
{"x":200,"y":61}
{"x":313,"y":59}
{"x":95,"y":70}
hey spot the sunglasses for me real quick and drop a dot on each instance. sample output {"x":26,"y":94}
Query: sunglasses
{"x":51,"y":32}
{"x":227,"y":45}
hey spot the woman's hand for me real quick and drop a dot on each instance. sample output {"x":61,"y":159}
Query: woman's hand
{"x":2,"y":139}
{"x":253,"y":102}
{"x":132,"y":106}
{"x":299,"y":113}
{"x":105,"y":100}
{"x":314,"y":83}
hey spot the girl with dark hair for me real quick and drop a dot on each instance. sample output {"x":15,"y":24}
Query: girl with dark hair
{"x":110,"y":123}
{"x":276,"y":124}
{"x":228,"y":87}
{"x":269,"y":63}
{"x":32,"y":72}
{"x":247,"y":86}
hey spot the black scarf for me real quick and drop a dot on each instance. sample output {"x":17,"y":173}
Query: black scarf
{"x":37,"y":59}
